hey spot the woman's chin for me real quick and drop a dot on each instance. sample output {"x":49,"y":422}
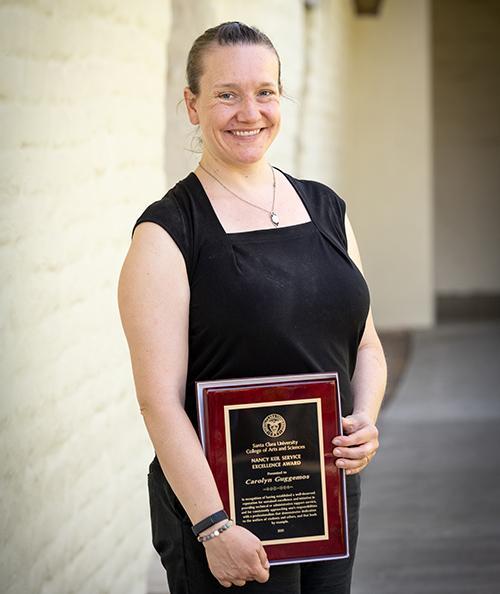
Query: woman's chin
{"x":245,"y":157}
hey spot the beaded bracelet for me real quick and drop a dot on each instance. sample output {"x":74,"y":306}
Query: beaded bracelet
{"x":216,"y":532}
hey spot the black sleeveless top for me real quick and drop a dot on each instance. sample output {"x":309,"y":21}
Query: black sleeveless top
{"x":270,"y":301}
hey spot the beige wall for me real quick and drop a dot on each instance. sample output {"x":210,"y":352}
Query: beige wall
{"x":82,"y":144}
{"x":467,"y":145}
{"x":386,"y":176}
{"x":323,"y":136}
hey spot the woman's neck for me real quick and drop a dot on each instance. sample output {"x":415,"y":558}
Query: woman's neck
{"x":238,"y":176}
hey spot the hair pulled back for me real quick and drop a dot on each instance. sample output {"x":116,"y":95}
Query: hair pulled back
{"x":228,"y":33}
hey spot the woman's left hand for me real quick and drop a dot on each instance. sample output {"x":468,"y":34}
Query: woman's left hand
{"x":355,"y":449}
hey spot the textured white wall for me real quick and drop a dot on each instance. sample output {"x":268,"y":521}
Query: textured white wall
{"x":466,"y":60}
{"x":82,"y":118}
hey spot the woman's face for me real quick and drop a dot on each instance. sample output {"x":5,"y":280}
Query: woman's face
{"x":238,"y":106}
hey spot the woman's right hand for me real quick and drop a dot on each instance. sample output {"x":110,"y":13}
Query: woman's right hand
{"x":237,"y":556}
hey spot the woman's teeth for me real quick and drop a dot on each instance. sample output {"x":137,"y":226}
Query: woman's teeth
{"x":245,"y":132}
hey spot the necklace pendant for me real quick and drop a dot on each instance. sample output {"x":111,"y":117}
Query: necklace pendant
{"x":275,"y":219}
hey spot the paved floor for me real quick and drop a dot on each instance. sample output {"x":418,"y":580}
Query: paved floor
{"x":430,"y":520}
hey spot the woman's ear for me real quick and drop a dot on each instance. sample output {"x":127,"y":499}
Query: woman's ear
{"x":190,"y":101}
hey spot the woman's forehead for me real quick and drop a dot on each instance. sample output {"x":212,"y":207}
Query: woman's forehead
{"x":235,"y":64}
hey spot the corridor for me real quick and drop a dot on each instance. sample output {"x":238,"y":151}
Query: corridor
{"x":430,"y":520}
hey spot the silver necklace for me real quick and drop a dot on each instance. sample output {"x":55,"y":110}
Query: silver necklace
{"x":272,"y":214}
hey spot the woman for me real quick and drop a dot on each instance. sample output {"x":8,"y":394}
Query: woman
{"x":242,"y":270}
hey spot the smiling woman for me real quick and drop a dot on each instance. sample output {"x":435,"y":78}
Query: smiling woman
{"x":242,"y":270}
{"x":240,"y":117}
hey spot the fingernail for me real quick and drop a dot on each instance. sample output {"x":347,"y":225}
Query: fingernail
{"x":337,"y":441}
{"x":337,"y":453}
{"x":341,"y":463}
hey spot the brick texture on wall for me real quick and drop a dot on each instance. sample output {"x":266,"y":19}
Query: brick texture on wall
{"x":82,"y":116}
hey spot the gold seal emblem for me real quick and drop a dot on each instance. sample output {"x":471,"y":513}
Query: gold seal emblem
{"x":274,"y":425}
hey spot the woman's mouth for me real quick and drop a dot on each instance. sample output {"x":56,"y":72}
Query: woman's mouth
{"x":245,"y":133}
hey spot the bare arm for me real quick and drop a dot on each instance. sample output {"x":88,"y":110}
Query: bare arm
{"x":153,"y":298}
{"x":368,"y":383}
{"x":370,"y":376}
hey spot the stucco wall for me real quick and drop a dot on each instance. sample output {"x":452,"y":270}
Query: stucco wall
{"x":466,"y":62}
{"x":82,"y":117}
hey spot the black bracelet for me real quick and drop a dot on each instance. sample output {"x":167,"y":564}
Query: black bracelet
{"x":209,"y":521}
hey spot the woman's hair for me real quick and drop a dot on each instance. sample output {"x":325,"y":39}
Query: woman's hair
{"x":229,"y":33}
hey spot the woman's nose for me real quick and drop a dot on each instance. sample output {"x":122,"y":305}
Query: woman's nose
{"x":248,"y":111}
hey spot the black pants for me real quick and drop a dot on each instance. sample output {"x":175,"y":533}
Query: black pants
{"x":185,"y":562}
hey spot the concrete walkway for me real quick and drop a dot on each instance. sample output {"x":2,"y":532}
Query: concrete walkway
{"x":430,"y":521}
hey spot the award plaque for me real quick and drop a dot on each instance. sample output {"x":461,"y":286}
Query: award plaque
{"x":268,"y":441}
